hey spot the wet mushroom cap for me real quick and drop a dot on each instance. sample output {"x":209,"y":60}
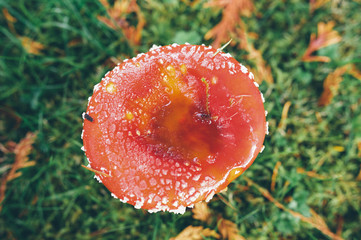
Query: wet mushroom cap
{"x":173,"y":126}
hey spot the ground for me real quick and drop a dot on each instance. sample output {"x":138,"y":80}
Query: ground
{"x":306,"y":56}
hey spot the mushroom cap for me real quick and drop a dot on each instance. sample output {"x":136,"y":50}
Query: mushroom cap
{"x":173,"y":126}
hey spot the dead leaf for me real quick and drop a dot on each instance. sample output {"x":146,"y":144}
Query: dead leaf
{"x":315,"y":220}
{"x":231,"y":19}
{"x":202,"y":212}
{"x":196,"y":233}
{"x":311,"y":174}
{"x":8,"y":16}
{"x":232,"y":26}
{"x":10,"y":20}
{"x":355,"y":72}
{"x":262,"y":71}
{"x":31,"y":46}
{"x":229,"y":230}
{"x":118,"y":13}
{"x":28,"y":44}
{"x":340,"y":223}
{"x":274,"y":175}
{"x":282,"y":124}
{"x":325,"y":37}
{"x":315,"y":4}
{"x":332,"y":82}
{"x":21,"y":151}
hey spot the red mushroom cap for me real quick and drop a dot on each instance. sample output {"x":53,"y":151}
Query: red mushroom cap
{"x":173,"y":126}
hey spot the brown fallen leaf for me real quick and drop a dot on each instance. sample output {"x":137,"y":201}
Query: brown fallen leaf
{"x":333,"y":80}
{"x":196,"y":233}
{"x":10,"y":20}
{"x":274,"y":175}
{"x":232,"y":26}
{"x":262,"y":70}
{"x":117,"y":19}
{"x":326,"y":36}
{"x":232,"y":10}
{"x":21,"y":151}
{"x":355,"y":72}
{"x":202,"y":212}
{"x":311,"y":174}
{"x":31,"y":46}
{"x":229,"y":230}
{"x":282,"y":124}
{"x":315,"y":220}
{"x":315,"y":4}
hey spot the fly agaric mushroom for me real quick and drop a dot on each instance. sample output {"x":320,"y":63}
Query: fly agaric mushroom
{"x":172,"y":127}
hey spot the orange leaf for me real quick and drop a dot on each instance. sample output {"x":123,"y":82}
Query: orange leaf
{"x":202,"y":212}
{"x":232,"y":26}
{"x":21,"y":151}
{"x":315,"y":4}
{"x":311,"y":174}
{"x":196,"y":233}
{"x":10,"y":20}
{"x":229,"y":230}
{"x":325,"y":37}
{"x":286,"y":107}
{"x":31,"y":46}
{"x":117,"y":20}
{"x":231,"y":18}
{"x":8,"y":16}
{"x":262,"y":71}
{"x":355,"y":72}
{"x":333,"y":80}
{"x":274,"y":175}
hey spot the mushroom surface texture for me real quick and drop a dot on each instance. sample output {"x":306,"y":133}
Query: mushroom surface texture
{"x":174,"y":126}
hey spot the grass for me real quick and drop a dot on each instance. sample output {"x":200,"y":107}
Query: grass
{"x":46,"y":93}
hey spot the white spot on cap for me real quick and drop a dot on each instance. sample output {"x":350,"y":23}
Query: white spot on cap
{"x":97,"y":87}
{"x":262,"y":97}
{"x":154,"y":47}
{"x":256,"y":84}
{"x":267,"y":128}
{"x":124,"y":200}
{"x":139,"y":204}
{"x":210,"y":196}
{"x":250,"y":75}
{"x":180,"y":210}
{"x":243,"y":68}
{"x":98,"y":178}
{"x":263,"y":147}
